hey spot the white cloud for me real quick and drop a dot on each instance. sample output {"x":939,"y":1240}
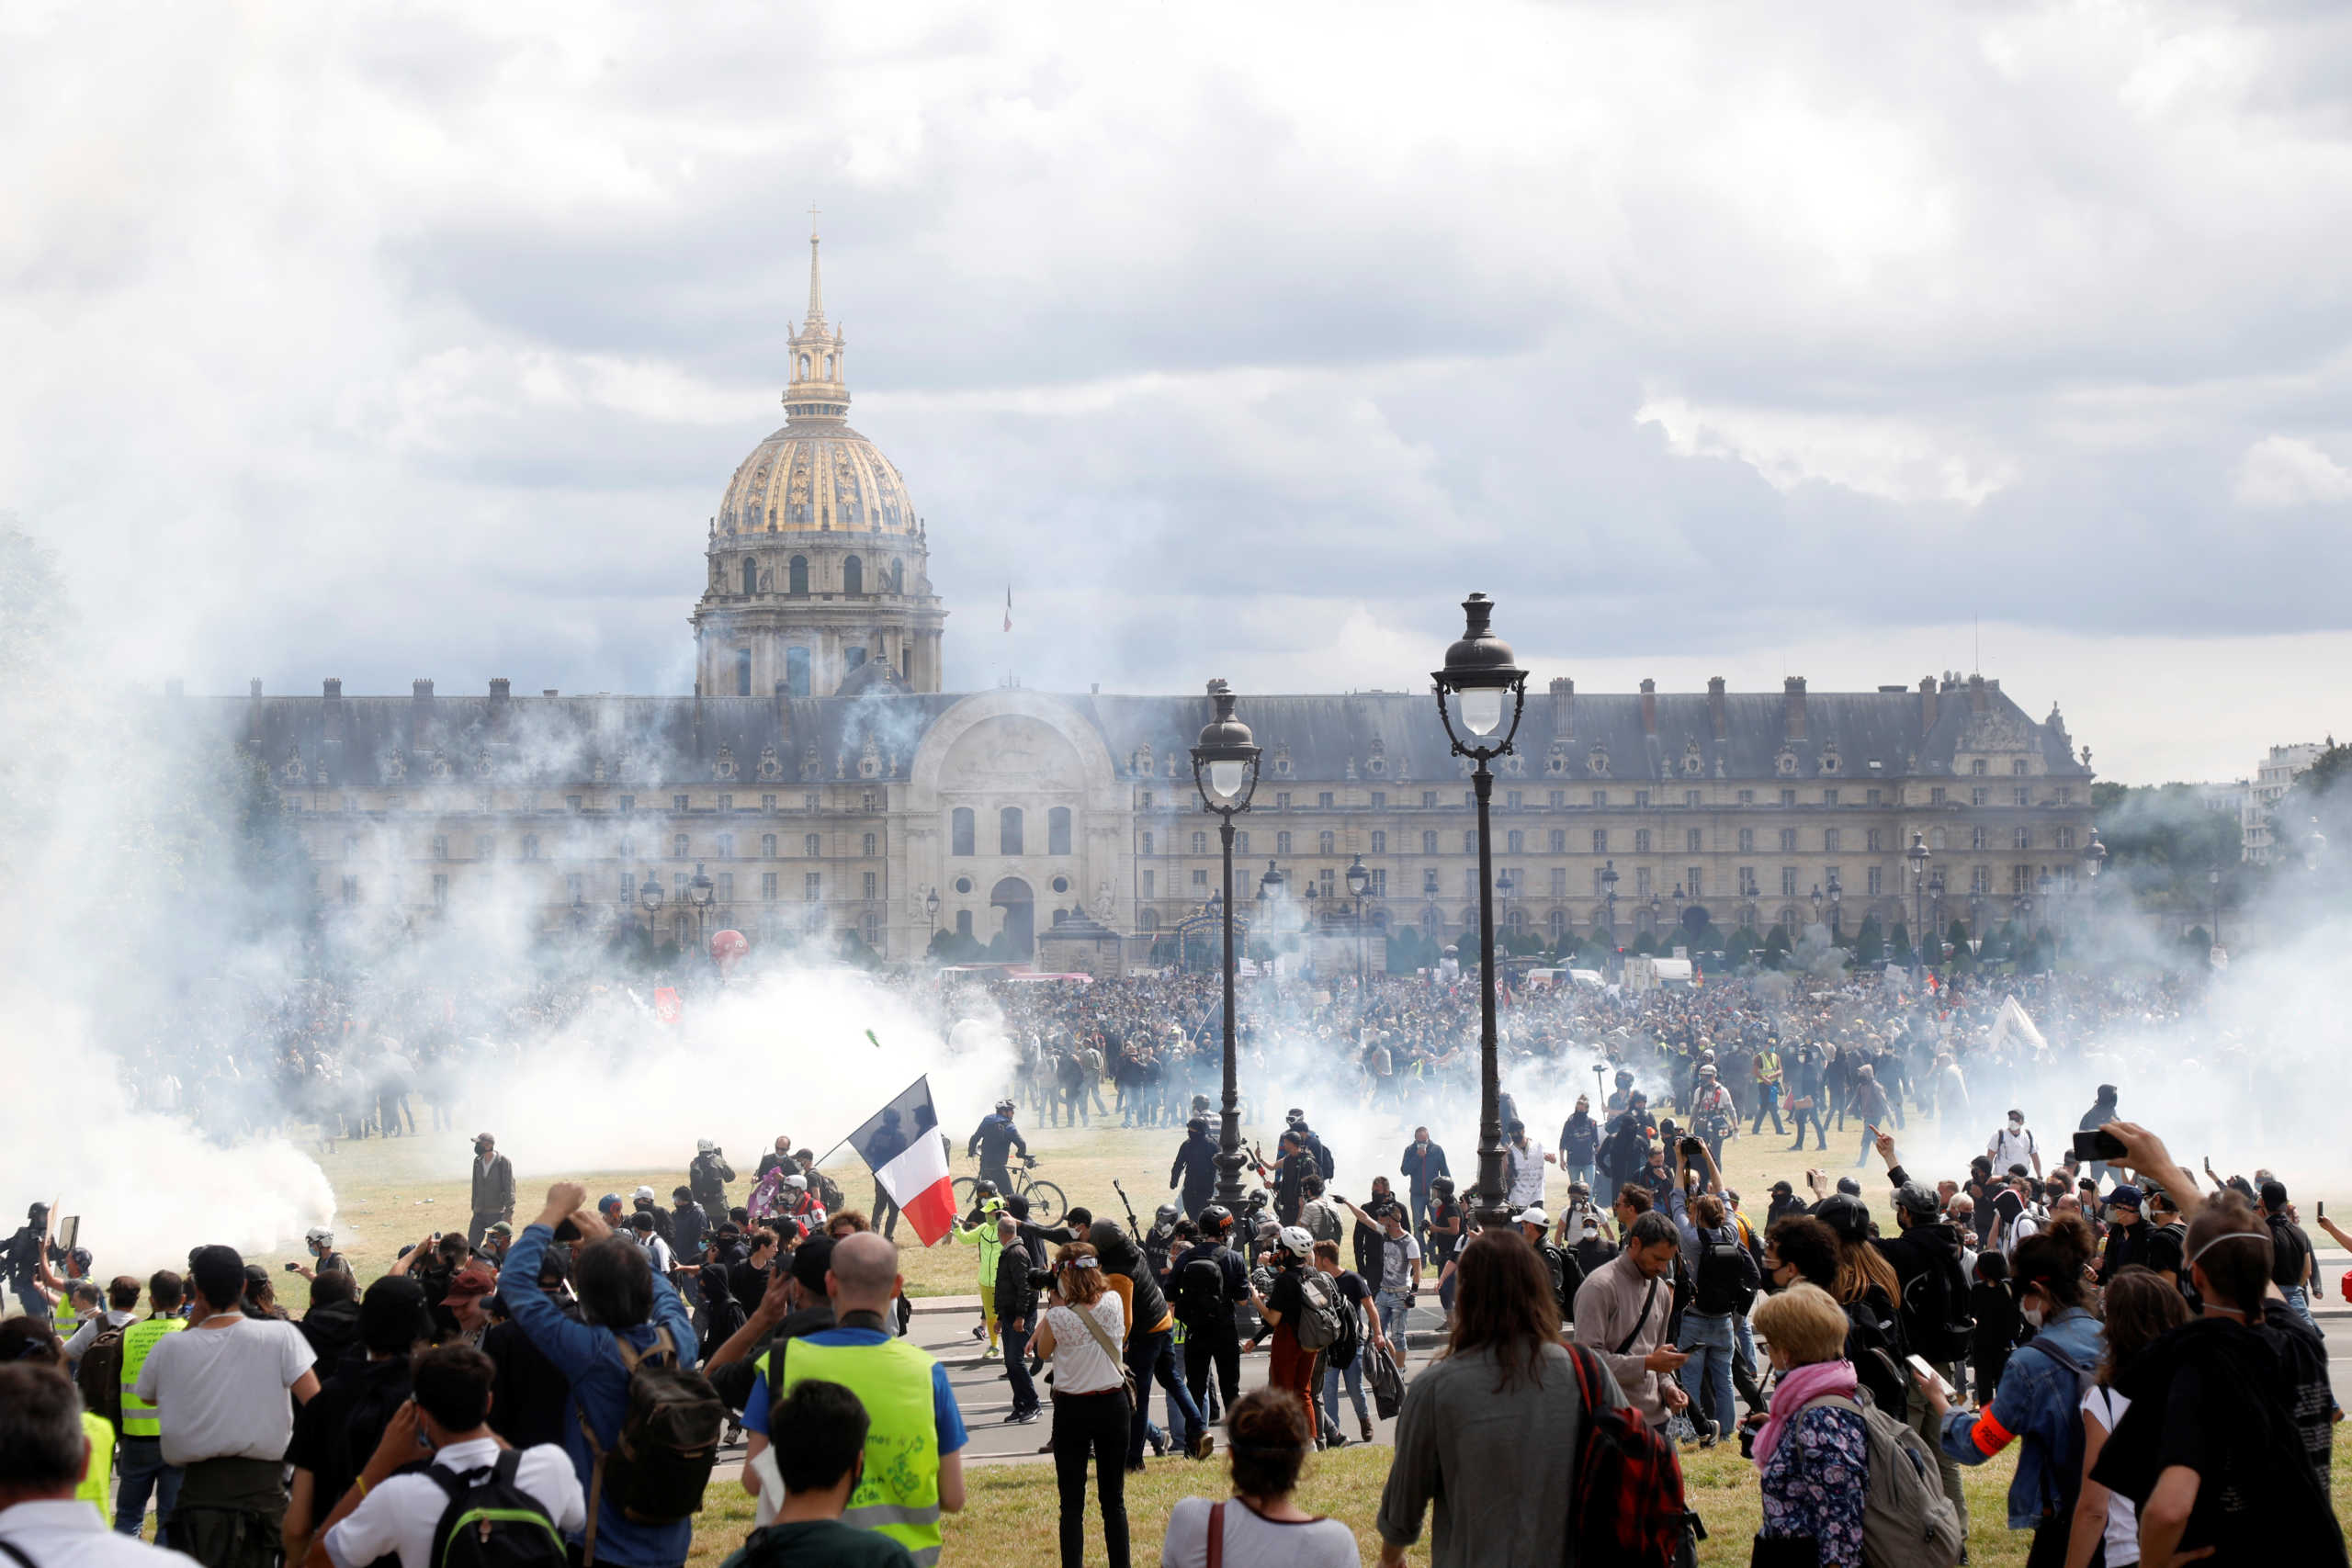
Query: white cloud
{"x":2285,"y":470}
{"x":1893,"y":458}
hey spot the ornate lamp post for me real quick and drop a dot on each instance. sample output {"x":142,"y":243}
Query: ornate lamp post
{"x":699,"y":893}
{"x":1479,"y":674}
{"x":649,"y":897}
{"x":1836,"y":895}
{"x":1224,"y":769}
{"x":1917,"y":855}
{"x":1817,"y":903}
{"x":1936,"y":908}
{"x":2094,"y":861}
{"x":1359,"y":879}
{"x":931,"y":911}
{"x":1609,"y":898}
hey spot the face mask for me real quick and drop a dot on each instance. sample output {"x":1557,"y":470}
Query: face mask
{"x":2032,"y":1315}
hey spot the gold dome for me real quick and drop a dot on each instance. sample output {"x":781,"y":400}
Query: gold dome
{"x":816,"y":473}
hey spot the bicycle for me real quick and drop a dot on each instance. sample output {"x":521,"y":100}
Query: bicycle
{"x":1047,"y":1205}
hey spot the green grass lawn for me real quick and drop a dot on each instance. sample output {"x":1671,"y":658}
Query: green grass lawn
{"x":1008,"y":1520}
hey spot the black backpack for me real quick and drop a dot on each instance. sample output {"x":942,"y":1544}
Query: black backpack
{"x":1198,"y":1292}
{"x":1342,"y":1351}
{"x":100,"y":1376}
{"x":1727,"y":1273}
{"x":491,"y":1522}
{"x":662,"y":1459}
{"x":1935,"y":1311}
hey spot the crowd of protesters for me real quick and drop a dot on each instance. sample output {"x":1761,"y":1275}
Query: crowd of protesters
{"x":2145,"y":1343}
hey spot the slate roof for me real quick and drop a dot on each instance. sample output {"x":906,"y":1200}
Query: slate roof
{"x":1382,"y":736}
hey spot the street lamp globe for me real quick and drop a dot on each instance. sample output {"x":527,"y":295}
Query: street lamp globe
{"x":1358,"y":878}
{"x":2094,"y":857}
{"x":1225,"y":759}
{"x":1479,"y":674}
{"x":701,"y":889}
{"x":1917,"y":855}
{"x":649,"y":894}
{"x":1270,"y":886}
{"x":930,"y":903}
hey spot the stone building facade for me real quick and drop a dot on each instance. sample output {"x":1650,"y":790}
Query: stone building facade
{"x":824,"y":781}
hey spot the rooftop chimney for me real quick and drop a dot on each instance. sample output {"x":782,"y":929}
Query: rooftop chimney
{"x":1649,"y":708}
{"x":1564,"y":706}
{"x":1926,"y":704}
{"x":252,"y":688}
{"x":423,"y":691}
{"x":1792,"y":705}
{"x":1977,"y":701}
{"x":501,"y":689}
{"x":330,"y":691}
{"x":1715,"y":708}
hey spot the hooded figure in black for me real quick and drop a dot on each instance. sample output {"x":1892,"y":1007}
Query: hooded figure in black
{"x":1150,"y":1348}
{"x":1195,"y":1167}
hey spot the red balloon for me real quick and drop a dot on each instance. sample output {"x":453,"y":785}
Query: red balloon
{"x":728,"y":946}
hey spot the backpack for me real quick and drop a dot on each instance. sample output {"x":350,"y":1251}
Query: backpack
{"x":1874,"y":1344}
{"x":1318,"y":1321}
{"x":491,"y":1522}
{"x":100,"y":1376}
{"x":1935,"y":1315}
{"x":1908,"y":1522}
{"x":1348,"y":1342}
{"x":828,"y":1191}
{"x":1197,"y":1292}
{"x":661,"y":1458}
{"x":1727,"y":1273}
{"x":1630,"y":1512}
{"x":1388,"y":1382}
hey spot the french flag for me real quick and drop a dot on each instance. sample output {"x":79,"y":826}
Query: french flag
{"x":902,"y":1145}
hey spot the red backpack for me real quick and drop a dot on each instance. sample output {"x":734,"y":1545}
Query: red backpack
{"x":1630,"y":1511}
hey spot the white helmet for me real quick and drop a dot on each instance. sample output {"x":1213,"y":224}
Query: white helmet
{"x":646,"y":1193}
{"x":704,"y":1147}
{"x":1297,"y":1241}
{"x":319,"y":1235}
{"x":795,"y":1184}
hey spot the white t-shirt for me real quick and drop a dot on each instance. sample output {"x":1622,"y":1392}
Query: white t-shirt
{"x":68,"y":1533}
{"x":221,"y":1392}
{"x":1397,"y":1256}
{"x":1252,"y":1540}
{"x":2107,"y":1407}
{"x":400,"y":1516}
{"x":1079,"y":1365}
{"x":1526,"y":1173}
{"x":2011,"y":1146}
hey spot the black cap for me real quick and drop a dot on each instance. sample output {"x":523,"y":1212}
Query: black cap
{"x":392,"y":1315}
{"x":809,"y":1262}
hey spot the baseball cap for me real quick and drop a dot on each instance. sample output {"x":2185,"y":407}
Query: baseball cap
{"x":1913,"y":1198}
{"x":474,"y":1281}
{"x":1781,"y":1189}
{"x":642,"y":1195}
{"x":2124,"y":1197}
{"x":1845,"y":1214}
{"x":811,"y":1260}
{"x":502,"y":1228}
{"x":1533,"y":1215}
{"x":2274,"y":1194}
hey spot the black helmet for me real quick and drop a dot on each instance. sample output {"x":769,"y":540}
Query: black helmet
{"x":1197,"y":1124}
{"x":984,"y":1188}
{"x":1215,"y":1220}
{"x":1442,"y":1186}
{"x":1846,"y":1214}
{"x":1166,"y":1215}
{"x":1624,"y":1076}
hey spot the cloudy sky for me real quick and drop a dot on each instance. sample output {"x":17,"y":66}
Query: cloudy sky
{"x":1842,"y":341}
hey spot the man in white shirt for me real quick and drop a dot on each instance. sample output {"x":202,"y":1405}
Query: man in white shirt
{"x":1525,"y":1158}
{"x":41,"y":1430}
{"x":386,"y":1512}
{"x":220,"y":1391}
{"x":657,"y":1251}
{"x":2013,"y":1146}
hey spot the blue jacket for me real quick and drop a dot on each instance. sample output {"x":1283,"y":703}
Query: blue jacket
{"x":592,"y":1363}
{"x":2040,"y":1401}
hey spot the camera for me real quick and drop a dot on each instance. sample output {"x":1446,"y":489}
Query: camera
{"x":1041,"y":1279}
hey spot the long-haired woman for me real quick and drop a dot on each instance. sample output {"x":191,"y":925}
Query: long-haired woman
{"x":1089,"y":1399}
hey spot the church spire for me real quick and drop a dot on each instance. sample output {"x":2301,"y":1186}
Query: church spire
{"x":816,"y":284}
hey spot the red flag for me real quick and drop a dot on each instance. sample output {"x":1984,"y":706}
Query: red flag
{"x":666,"y":1006}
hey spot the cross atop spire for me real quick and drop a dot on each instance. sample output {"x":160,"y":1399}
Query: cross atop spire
{"x":816,"y":285}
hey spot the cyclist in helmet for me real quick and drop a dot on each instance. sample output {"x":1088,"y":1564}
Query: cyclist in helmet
{"x":994,"y":1140}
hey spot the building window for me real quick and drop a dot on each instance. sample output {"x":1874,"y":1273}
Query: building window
{"x":795,"y":576}
{"x":812,"y":845}
{"x":865,"y":846}
{"x":1559,"y":882}
{"x":2065,"y":796}
{"x":1828,"y":797}
{"x":351,"y":890}
{"x":1282,"y":842}
{"x":725,"y":845}
{"x":1558,"y":841}
{"x":1980,"y":797}
{"x":1693,"y":841}
{"x":1690,"y":798}
{"x":1470,"y":842}
{"x":1788,"y":841}
{"x":1324,"y":800}
{"x":868,"y":882}
{"x":2024,"y":795}
{"x":1600,"y":840}
{"x":1979,"y":839}
{"x":1147,"y":843}
{"x":1788,"y":882}
{"x":767,"y":846}
{"x":1379,"y":889}
{"x":1747,"y":881}
{"x":1428,"y":843}
{"x":441,"y":890}
{"x":1514,"y":842}
{"x":1200,"y":843}
{"x":853,"y":576}
{"x":725,"y":880}
{"x":796,"y":671}
{"x":812,"y":887}
{"x":1872,"y":880}
{"x":1641,"y":882}
{"x":1747,"y":841}
{"x":1979,"y":768}
{"x":1429,"y":882}
{"x":1600,"y":798}
{"x":1380,"y":800}
{"x":1282,"y":800}
{"x":1935,"y":794}
{"x":2021,"y":838}
{"x":1200,"y":880}
{"x":960,"y":833}
{"x":1379,"y":842}
{"x":1642,"y":842}
{"x":1829,"y":841}
{"x":767,"y":886}
{"x":1747,"y":798}
{"x":1242,"y":843}
{"x":485,"y":847}
{"x":530,"y":846}
{"x":1150,"y":879}
{"x":1511,"y":796}
{"x":1008,"y":830}
{"x":1429,"y":800}
{"x":1935,"y":838}
{"x":1980,"y":879}
{"x":1325,"y":841}
{"x":629,"y":804}
{"x":1058,"y":830}
{"x":743,"y":662}
{"x":1873,"y":797}
{"x":1690,"y":884}
{"x":440,"y":847}
{"x":1874,"y":839}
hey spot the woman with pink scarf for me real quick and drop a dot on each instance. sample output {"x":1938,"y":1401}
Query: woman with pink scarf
{"x":1813,"y":1454}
